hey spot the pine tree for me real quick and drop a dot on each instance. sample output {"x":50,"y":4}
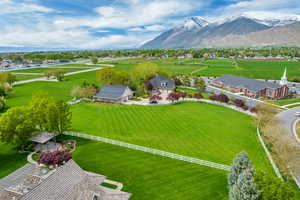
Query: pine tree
{"x":245,"y":187}
{"x":240,"y":164}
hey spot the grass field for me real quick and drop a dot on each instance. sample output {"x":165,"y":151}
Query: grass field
{"x":60,"y":90}
{"x":42,"y":70}
{"x":199,"y":130}
{"x":21,"y":77}
{"x":10,"y":159}
{"x":150,"y":177}
{"x":218,"y":67}
{"x":283,"y":102}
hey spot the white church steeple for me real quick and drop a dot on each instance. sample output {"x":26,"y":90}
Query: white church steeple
{"x":283,"y":80}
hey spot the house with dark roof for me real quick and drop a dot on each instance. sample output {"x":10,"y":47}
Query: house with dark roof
{"x":162,"y":84}
{"x":66,"y":182}
{"x":252,"y":87}
{"x":114,"y":94}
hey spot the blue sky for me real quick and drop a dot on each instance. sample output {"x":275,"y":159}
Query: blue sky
{"x":111,"y":24}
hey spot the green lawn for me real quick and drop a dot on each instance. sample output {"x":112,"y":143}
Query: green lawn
{"x":21,"y":77}
{"x":10,"y":159}
{"x":199,"y":130}
{"x":22,"y":93}
{"x":42,"y":70}
{"x":148,"y":176}
{"x":218,"y":67}
{"x":283,"y":102}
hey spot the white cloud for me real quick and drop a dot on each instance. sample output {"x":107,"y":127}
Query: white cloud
{"x":11,"y":6}
{"x":138,"y":13}
{"x":269,"y":7}
{"x":151,"y":28}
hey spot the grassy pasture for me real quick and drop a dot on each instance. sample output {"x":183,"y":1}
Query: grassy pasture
{"x":199,"y":130}
{"x":60,"y":90}
{"x":42,"y":70}
{"x":148,"y":176}
{"x":21,"y":77}
{"x":10,"y":159}
{"x":218,"y":67}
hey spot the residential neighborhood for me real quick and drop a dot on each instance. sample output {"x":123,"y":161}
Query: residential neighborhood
{"x":149,"y":100}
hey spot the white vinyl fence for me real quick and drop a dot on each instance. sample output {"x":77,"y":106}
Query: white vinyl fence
{"x":150,"y":150}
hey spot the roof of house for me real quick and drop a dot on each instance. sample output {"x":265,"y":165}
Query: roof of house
{"x":66,"y":182}
{"x":162,"y":82}
{"x":112,"y":91}
{"x":251,"y":84}
{"x":42,"y":137}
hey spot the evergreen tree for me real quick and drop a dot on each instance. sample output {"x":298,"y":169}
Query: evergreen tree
{"x":245,"y":187}
{"x":240,"y":164}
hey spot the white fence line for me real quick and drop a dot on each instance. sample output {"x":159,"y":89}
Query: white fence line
{"x":152,"y":151}
{"x":276,"y":170}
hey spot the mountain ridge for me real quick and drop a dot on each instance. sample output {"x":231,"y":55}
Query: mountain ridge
{"x":227,"y":32}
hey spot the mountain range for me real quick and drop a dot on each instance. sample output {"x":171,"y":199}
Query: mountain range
{"x":236,"y":31}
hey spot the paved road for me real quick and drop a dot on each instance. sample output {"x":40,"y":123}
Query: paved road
{"x":288,"y":120}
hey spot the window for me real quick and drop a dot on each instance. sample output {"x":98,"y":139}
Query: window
{"x":96,"y":197}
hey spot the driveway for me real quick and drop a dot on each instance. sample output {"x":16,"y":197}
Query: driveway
{"x":288,"y":120}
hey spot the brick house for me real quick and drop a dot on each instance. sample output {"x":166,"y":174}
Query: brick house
{"x":252,"y":87}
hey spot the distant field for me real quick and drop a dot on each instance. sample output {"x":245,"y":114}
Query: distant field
{"x":218,"y":67}
{"x":283,"y":102}
{"x":199,"y":130}
{"x":21,"y":77}
{"x":150,"y":177}
{"x":42,"y":70}
{"x":10,"y":159}
{"x":60,"y":90}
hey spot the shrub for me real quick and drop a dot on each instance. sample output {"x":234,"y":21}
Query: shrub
{"x":220,"y":97}
{"x":238,"y":102}
{"x":173,"y":97}
{"x":155,"y":98}
{"x":223,"y":98}
{"x":54,"y":158}
{"x":198,"y":96}
{"x":245,"y":107}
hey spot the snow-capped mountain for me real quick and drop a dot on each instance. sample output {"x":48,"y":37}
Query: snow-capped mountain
{"x":199,"y":32}
{"x":194,"y":22}
{"x":268,"y":19}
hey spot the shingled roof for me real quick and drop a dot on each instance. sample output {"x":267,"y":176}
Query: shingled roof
{"x":67,"y":182}
{"x":42,"y":137}
{"x":113,"y":92}
{"x":162,"y":82}
{"x":251,"y":84}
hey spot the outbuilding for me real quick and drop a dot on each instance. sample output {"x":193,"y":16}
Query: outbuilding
{"x":114,"y":94}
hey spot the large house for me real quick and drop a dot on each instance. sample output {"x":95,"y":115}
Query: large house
{"x":114,"y":94}
{"x":252,"y":87}
{"x":67,"y":182}
{"x":161,"y":84}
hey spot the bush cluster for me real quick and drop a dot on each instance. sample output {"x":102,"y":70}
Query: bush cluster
{"x":54,"y":158}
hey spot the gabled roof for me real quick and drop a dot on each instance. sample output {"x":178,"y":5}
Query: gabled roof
{"x":251,"y":84}
{"x":42,"y":137}
{"x":162,"y":82}
{"x":111,"y":91}
{"x":66,"y":182}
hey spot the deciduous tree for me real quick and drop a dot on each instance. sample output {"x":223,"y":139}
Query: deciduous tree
{"x":16,"y":126}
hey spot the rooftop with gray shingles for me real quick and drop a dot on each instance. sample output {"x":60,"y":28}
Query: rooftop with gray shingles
{"x":67,"y":182}
{"x":111,"y":91}
{"x":162,"y":82}
{"x":42,"y":137}
{"x":251,"y":84}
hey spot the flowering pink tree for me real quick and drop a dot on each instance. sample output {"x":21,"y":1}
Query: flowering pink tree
{"x":155,"y":98}
{"x":198,"y":96}
{"x":54,"y":158}
{"x":173,"y":97}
